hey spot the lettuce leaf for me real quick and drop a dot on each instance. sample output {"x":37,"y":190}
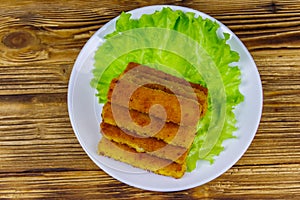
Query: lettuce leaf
{"x":157,"y":51}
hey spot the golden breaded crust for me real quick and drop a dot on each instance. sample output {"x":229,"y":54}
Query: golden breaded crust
{"x":144,"y":161}
{"x":164,"y":76}
{"x":159,"y":80}
{"x":149,"y":145}
{"x":150,"y":137}
{"x":178,"y":109}
{"x":184,"y":135}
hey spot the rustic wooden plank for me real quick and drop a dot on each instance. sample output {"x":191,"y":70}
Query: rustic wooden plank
{"x":44,"y":156}
{"x":40,"y":155}
{"x":30,"y":128}
{"x":66,"y":33}
{"x":236,"y":183}
{"x":36,"y":134}
{"x":36,"y":36}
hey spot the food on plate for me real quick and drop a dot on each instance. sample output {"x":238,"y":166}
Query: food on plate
{"x":142,"y":160}
{"x":121,"y":47}
{"x":145,"y":95}
{"x":150,"y":145}
{"x":132,"y":133}
{"x":166,"y":133}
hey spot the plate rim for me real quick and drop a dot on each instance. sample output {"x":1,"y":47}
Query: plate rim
{"x":111,"y":171}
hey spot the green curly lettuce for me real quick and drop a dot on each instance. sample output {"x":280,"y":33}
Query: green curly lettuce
{"x":204,"y":32}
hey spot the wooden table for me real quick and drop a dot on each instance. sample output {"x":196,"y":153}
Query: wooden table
{"x":40,"y":156}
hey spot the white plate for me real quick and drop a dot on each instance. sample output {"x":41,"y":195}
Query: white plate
{"x":84,"y":112}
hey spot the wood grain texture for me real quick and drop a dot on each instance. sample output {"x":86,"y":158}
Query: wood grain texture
{"x":40,"y":157}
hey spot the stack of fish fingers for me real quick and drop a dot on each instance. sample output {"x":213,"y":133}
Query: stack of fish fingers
{"x":150,"y":119}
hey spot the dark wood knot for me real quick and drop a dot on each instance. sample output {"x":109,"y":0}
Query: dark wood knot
{"x":18,"y":39}
{"x":273,"y":7}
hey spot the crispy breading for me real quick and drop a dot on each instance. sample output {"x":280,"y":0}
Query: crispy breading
{"x":145,"y":161}
{"x":163,"y":81}
{"x":158,"y":140}
{"x":178,"y":109}
{"x":163,"y":76}
{"x":149,"y":145}
{"x":170,"y":133}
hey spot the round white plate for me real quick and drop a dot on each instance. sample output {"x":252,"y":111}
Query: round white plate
{"x":84,"y":112}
